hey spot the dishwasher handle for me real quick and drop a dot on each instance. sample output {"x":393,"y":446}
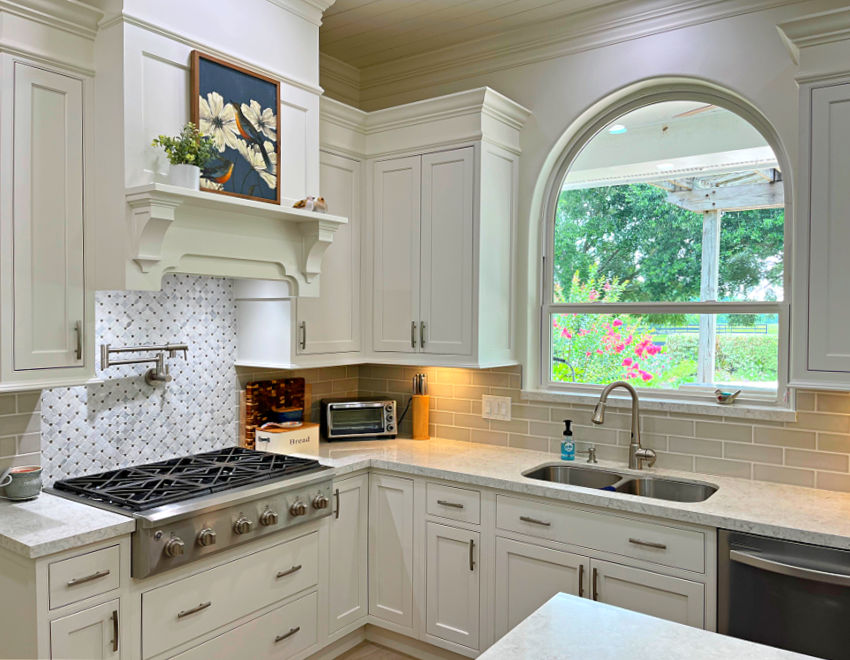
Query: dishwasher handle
{"x":773,"y":566}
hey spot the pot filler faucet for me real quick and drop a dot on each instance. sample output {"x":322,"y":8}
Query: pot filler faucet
{"x":637,"y":454}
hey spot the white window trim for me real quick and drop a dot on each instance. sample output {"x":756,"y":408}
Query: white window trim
{"x":777,"y":407}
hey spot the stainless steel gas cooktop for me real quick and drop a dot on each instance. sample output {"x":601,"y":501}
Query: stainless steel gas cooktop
{"x":189,"y":507}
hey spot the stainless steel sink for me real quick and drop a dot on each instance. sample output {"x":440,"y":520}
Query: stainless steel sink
{"x":574,"y":475}
{"x":660,"y":488}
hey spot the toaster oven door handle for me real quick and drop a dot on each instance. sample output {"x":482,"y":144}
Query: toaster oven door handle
{"x":758,"y":561}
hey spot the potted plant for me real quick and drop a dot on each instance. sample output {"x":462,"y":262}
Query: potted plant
{"x":188,"y":152}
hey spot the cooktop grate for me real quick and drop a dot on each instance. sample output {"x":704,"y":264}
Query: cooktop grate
{"x":143,"y":487}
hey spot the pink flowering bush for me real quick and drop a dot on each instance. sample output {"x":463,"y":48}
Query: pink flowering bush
{"x":602,"y":347}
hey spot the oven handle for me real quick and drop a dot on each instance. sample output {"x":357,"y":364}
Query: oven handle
{"x":782,"y":568}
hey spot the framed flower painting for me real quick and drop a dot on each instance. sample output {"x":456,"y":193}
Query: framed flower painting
{"x":240,"y":111}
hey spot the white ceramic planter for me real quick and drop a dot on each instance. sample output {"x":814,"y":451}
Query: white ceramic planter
{"x":185,"y":176}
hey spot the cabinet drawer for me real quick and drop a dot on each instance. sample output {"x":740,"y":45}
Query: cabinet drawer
{"x":83,"y":576}
{"x":455,"y":503}
{"x":281,"y":633}
{"x":668,"y":546}
{"x":180,"y":611}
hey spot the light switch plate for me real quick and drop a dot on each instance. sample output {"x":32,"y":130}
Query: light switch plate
{"x":496,"y":407}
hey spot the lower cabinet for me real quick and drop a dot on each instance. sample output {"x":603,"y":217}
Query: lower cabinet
{"x":348,"y":597}
{"x":651,"y":593}
{"x":87,"y":635}
{"x":452,"y":584}
{"x":391,"y":550}
{"x":528,"y":575}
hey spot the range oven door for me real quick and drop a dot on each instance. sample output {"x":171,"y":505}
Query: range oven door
{"x":785,"y":594}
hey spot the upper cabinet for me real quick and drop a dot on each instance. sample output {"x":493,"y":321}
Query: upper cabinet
{"x":820,"y":313}
{"x":46,"y":293}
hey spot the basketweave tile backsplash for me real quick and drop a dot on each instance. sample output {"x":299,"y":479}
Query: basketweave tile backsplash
{"x":124,"y":421}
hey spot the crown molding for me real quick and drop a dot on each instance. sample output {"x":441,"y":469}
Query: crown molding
{"x":586,"y":30}
{"x":815,"y":30}
{"x":340,"y":80}
{"x":309,"y":10}
{"x":70,"y":16}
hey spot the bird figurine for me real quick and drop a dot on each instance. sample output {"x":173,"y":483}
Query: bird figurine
{"x":251,"y":135}
{"x":218,"y":170}
{"x":317,"y":204}
{"x":726,"y":397}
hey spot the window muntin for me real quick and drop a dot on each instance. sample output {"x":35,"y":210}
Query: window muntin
{"x":680,"y":212}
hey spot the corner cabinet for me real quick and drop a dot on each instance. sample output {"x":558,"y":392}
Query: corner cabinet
{"x":348,"y":596}
{"x":443,"y":223}
{"x":46,"y":305}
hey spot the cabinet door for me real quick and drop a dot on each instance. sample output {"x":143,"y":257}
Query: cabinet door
{"x":829,"y":268}
{"x":49,"y":282}
{"x":331,"y":322}
{"x":643,"y":591}
{"x":452,"y":581}
{"x":447,"y":252}
{"x":395,"y":246}
{"x":86,"y":635}
{"x":348,"y":592}
{"x":528,"y":575}
{"x":391,"y":549}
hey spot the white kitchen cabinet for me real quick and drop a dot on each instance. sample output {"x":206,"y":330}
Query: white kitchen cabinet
{"x":452,"y":584}
{"x":88,"y":635}
{"x":348,"y":595}
{"x":666,"y":597}
{"x":330,"y":323}
{"x":528,"y":575}
{"x":391,"y":552}
{"x":47,"y":323}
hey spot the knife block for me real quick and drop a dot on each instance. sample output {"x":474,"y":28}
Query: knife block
{"x":420,"y":408}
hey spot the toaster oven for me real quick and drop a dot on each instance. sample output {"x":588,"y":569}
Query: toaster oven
{"x":347,"y":419}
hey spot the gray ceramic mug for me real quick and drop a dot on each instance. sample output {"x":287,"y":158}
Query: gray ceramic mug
{"x":22,"y":483}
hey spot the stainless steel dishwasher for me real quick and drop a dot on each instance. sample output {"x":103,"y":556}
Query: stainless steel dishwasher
{"x":791,"y":595}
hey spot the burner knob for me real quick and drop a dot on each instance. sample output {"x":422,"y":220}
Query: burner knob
{"x":174,"y":547}
{"x":268,"y":517}
{"x":242,"y":526}
{"x":206,"y":537}
{"x":320,"y":502}
{"x":298,"y":508}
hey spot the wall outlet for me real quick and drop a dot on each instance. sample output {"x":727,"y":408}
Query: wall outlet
{"x":496,"y":407}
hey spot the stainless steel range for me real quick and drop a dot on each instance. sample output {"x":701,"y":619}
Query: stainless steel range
{"x":190,"y":507}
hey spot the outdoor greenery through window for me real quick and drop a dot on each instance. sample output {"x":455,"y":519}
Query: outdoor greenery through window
{"x":667,"y":253}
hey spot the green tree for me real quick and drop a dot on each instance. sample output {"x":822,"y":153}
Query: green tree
{"x":632,"y":234}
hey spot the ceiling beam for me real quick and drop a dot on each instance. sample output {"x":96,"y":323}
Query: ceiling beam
{"x":765,"y":195}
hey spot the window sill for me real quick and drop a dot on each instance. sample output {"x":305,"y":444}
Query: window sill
{"x":743,"y":410}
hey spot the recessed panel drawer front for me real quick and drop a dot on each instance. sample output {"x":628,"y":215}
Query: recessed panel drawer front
{"x":180,"y":611}
{"x":455,"y":503}
{"x":668,"y":546}
{"x":84,"y":576}
{"x":282,"y":633}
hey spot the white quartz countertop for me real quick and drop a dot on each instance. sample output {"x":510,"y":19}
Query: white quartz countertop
{"x":50,"y":524}
{"x":789,"y":512}
{"x":567,"y":627}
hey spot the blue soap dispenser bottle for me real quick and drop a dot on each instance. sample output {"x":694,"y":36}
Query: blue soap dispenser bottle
{"x":568,"y":446}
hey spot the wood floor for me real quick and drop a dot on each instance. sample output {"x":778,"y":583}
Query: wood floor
{"x":370,"y":651}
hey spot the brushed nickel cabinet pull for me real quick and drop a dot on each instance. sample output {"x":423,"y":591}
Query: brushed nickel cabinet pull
{"x":595,"y":587}
{"x":534,"y":521}
{"x":115,"y":631}
{"x":471,"y":554}
{"x":454,"y":505}
{"x":580,"y":580}
{"x":303,"y":335}
{"x":200,"y":607}
{"x":286,"y":635}
{"x":422,"y":334}
{"x":289,"y":571}
{"x":88,"y":578}
{"x":78,"y":331}
{"x":413,"y":334}
{"x":336,"y":497}
{"x":648,"y":544}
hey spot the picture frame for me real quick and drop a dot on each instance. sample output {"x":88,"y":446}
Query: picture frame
{"x":240,"y":110}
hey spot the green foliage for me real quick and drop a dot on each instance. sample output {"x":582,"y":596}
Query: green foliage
{"x":188,"y":148}
{"x":631,"y":234}
{"x":739,"y":358}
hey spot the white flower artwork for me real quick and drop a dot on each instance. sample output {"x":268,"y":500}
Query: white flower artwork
{"x":263,"y":119}
{"x":217,"y":120}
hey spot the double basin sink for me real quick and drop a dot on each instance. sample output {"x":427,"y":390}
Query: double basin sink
{"x":659,"y":488}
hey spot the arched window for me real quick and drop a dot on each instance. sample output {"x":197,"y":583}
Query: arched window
{"x":666,"y":257}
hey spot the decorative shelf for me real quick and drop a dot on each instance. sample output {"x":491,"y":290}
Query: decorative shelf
{"x":189,"y":231}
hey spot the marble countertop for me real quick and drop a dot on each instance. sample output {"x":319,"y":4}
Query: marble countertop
{"x":50,"y":524}
{"x":568,"y":627}
{"x":789,"y":512}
